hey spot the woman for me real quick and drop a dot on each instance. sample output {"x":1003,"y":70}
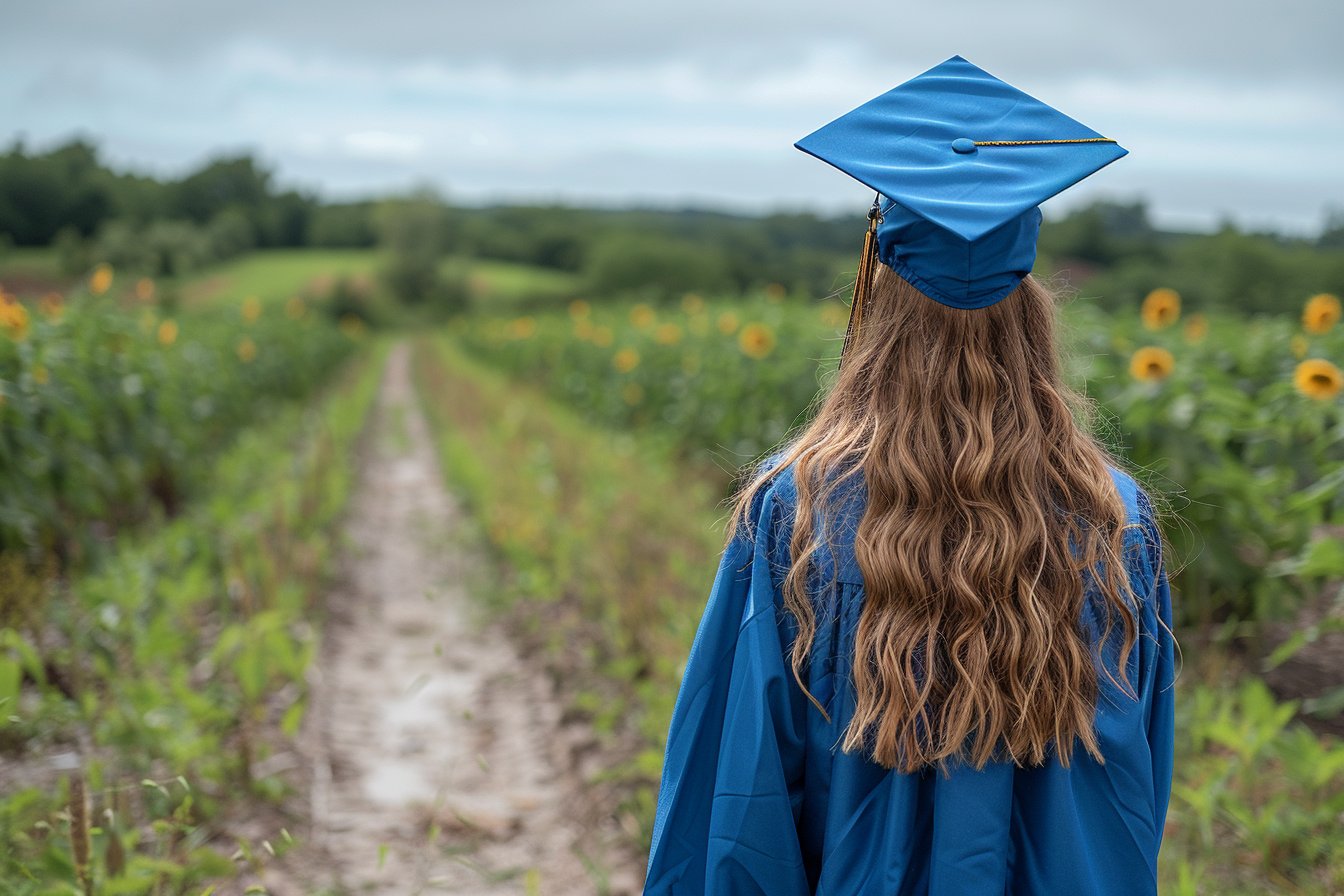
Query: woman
{"x":937,"y":656}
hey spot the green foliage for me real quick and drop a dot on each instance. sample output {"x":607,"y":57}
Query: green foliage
{"x":1253,"y":465}
{"x":1256,"y":800}
{"x":69,"y":188}
{"x":674,"y":370}
{"x":415,"y":232}
{"x":653,"y":266}
{"x":179,"y":663}
{"x":342,"y":225}
{"x":109,"y":416}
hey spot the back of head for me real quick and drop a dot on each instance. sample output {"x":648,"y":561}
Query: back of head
{"x":990,"y":512}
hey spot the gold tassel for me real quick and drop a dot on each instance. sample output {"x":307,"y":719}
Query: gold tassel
{"x":863,"y":282}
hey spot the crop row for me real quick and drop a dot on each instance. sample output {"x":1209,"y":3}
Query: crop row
{"x":110,"y":414}
{"x":1238,"y":420}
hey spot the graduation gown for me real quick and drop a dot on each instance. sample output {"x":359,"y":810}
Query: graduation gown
{"x":757,"y":799}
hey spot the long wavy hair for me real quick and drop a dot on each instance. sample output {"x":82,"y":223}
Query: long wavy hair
{"x":988,"y":503}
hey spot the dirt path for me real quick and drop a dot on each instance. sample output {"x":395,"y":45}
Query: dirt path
{"x":437,"y":765}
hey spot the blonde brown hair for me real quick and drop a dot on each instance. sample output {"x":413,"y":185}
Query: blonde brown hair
{"x":988,"y":501}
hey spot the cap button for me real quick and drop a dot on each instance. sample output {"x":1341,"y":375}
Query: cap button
{"x":963,"y":145}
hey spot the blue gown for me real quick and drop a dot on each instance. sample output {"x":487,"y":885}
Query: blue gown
{"x":755,"y":799}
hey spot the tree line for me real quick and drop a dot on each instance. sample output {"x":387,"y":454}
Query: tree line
{"x":69,"y":199}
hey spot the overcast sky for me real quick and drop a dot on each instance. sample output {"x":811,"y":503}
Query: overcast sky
{"x":1229,"y":109}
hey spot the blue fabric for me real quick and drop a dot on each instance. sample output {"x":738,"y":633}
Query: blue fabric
{"x":964,"y":230}
{"x":756,"y":798}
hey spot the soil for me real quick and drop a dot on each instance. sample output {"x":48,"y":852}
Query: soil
{"x":438,"y":761}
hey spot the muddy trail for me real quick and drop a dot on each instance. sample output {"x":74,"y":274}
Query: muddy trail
{"x":435,"y":753}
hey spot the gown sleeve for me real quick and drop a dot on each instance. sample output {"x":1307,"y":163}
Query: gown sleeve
{"x":731,"y":791}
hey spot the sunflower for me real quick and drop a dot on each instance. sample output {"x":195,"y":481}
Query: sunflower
{"x":667,"y":334}
{"x":251,"y":309}
{"x":692,"y":303}
{"x":247,"y":350}
{"x":1161,"y":308}
{"x":167,"y":332}
{"x":1318,"y":378}
{"x":14,"y":318}
{"x":727,"y":323}
{"x":1196,"y":328}
{"x":642,"y":315}
{"x":144,"y":289}
{"x":579,"y":309}
{"x":775,"y":292}
{"x":756,"y":341}
{"x":1151,"y":364}
{"x":522,"y":327}
{"x":101,"y":279}
{"x":625,"y":360}
{"x":52,"y":305}
{"x":1320,"y":313}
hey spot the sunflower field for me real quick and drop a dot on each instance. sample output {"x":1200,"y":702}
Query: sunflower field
{"x":113,"y":403}
{"x":170,"y":483}
{"x":1238,"y":420}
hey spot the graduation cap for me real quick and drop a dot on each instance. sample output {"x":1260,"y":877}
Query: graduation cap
{"x":960,"y":161}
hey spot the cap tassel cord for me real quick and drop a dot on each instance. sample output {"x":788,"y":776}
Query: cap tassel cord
{"x":863,"y":282}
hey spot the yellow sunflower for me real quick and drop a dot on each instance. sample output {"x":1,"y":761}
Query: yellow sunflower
{"x":247,"y":350}
{"x":1161,"y":308}
{"x":692,"y":303}
{"x":727,"y":323}
{"x":1151,"y":364}
{"x":14,"y":318}
{"x":579,"y":309}
{"x":642,"y":316}
{"x":167,"y":332}
{"x":667,"y":334}
{"x":101,"y":279}
{"x":1196,"y":328}
{"x":251,"y":309}
{"x":775,"y":292}
{"x":144,"y":289}
{"x":1320,"y":313}
{"x":625,"y":360}
{"x":1318,"y":378}
{"x":52,"y":305}
{"x":756,"y":341}
{"x":522,"y":327}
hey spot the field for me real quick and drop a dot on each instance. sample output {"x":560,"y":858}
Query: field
{"x":176,"y":461}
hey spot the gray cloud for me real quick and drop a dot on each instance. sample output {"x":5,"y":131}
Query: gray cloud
{"x":1226,"y":109}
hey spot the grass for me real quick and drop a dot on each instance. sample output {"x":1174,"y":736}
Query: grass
{"x":496,"y":285}
{"x":273,"y":275}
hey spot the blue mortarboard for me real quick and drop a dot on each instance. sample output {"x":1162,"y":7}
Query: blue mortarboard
{"x":964,"y":160}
